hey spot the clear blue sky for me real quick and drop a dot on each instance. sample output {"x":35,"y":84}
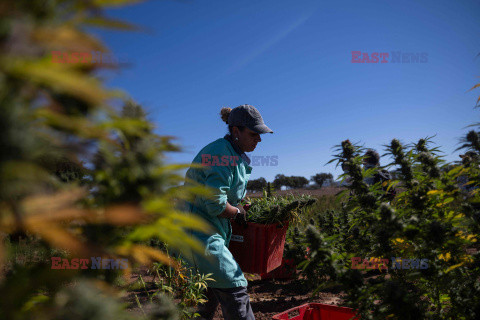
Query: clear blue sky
{"x":292,"y":60}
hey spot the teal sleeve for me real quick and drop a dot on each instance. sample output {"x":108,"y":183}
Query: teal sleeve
{"x":218,"y":178}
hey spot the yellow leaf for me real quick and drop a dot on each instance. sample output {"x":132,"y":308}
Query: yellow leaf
{"x":123,"y":215}
{"x":60,"y":77}
{"x":53,"y":202}
{"x":110,"y":23}
{"x":455,"y":170}
{"x":467,"y":258}
{"x":470,"y":237}
{"x":191,"y":221}
{"x":114,"y":3}
{"x":167,"y":169}
{"x":33,"y":301}
{"x":59,"y":238}
{"x":475,"y":86}
{"x":448,"y":200}
{"x":67,"y":39}
{"x":445,"y":257}
{"x":2,"y":254}
{"x":80,"y":125}
{"x":454,"y":267}
{"x":63,"y":215}
{"x":144,"y":254}
{"x":44,"y":209}
{"x":19,"y":177}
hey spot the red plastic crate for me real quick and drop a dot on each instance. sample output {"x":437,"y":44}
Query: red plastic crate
{"x":317,"y":311}
{"x":258,"y":248}
{"x":286,"y":271}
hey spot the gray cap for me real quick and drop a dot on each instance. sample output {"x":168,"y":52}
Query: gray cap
{"x":248,"y":116}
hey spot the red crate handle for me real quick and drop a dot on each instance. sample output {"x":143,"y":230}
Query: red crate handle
{"x":312,"y":311}
{"x":301,"y":310}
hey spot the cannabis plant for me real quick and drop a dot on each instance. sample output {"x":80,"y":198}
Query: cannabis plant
{"x":373,"y":247}
{"x":277,"y":209}
{"x":76,"y":174}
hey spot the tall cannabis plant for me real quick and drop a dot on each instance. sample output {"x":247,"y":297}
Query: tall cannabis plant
{"x":432,"y":219}
{"x":78,"y":177}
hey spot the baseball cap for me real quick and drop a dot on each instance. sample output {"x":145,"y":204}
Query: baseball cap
{"x":248,"y":116}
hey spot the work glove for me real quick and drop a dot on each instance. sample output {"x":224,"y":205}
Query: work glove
{"x":241,"y":217}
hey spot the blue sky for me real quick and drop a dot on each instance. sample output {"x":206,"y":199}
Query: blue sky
{"x":292,"y":61}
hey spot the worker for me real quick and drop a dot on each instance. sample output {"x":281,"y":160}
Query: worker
{"x":226,"y":170}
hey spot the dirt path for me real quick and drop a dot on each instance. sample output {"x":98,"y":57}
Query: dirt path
{"x":271,"y":297}
{"x":268,"y":297}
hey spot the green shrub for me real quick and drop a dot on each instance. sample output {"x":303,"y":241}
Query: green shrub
{"x":431,"y":218}
{"x":277,"y":209}
{"x":78,"y":177}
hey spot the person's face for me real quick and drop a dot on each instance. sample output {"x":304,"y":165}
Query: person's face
{"x":247,"y":140}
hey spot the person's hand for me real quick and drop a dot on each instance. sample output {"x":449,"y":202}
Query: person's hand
{"x":241,"y":217}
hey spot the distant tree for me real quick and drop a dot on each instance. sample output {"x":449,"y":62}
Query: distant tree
{"x":279,"y":181}
{"x":301,"y":182}
{"x":321,"y":178}
{"x":291,"y":182}
{"x":256,"y":184}
{"x":295,"y":182}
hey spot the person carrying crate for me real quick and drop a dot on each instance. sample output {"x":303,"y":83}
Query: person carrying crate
{"x":226,"y":170}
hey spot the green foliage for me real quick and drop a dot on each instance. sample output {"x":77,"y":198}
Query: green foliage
{"x":431,"y":218}
{"x":179,"y":284}
{"x":78,"y":177}
{"x":296,"y":244}
{"x":277,"y":209}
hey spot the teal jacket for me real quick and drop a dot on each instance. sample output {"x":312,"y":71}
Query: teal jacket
{"x":226,"y":170}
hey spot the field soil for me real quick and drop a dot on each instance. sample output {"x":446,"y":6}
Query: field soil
{"x":268,"y":297}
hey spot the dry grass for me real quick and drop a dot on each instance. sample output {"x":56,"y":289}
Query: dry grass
{"x":326,"y":191}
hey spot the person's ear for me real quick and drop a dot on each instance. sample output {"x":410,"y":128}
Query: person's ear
{"x":235,"y":133}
